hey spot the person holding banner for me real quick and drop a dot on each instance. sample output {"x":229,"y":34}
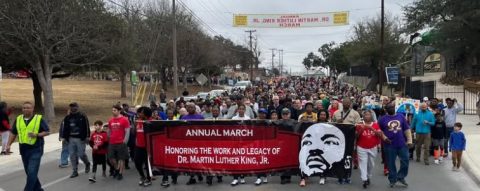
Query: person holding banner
{"x":241,"y":113}
{"x":215,"y":116}
{"x":141,"y":157}
{"x":241,"y":116}
{"x":232,"y":110}
{"x":397,"y":139}
{"x":323,"y":116}
{"x":174,"y":175}
{"x":192,"y":116}
{"x":308,"y":115}
{"x":348,"y":116}
{"x":368,"y":138}
{"x":262,"y":115}
{"x":287,"y":123}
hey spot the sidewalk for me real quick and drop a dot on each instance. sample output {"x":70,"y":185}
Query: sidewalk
{"x":471,"y":157}
{"x":13,"y":162}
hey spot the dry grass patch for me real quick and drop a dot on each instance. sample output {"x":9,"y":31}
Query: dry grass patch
{"x":94,"y":97}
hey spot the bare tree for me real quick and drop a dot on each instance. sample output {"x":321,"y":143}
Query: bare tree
{"x":50,"y":34}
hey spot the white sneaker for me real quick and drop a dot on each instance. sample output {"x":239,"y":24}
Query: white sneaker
{"x":242,"y":181}
{"x":322,"y":181}
{"x":454,"y":168}
{"x":440,"y":159}
{"x":265,"y":180}
{"x":258,"y":182}
{"x":436,"y":161}
{"x":234,"y":182}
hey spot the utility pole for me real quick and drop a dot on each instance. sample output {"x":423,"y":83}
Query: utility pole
{"x":280,"y":60}
{"x":174,"y":39}
{"x":251,"y":50}
{"x":382,"y":31}
{"x":273,"y":60}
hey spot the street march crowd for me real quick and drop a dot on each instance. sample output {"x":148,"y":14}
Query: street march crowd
{"x":382,"y":129}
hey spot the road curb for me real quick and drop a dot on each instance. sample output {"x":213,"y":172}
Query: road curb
{"x":471,"y":168}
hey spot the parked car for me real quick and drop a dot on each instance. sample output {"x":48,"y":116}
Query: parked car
{"x":242,"y":85}
{"x":187,"y":98}
{"x":216,"y":93}
{"x":202,"y":95}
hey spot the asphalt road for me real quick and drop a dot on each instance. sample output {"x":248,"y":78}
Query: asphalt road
{"x":421,"y":177}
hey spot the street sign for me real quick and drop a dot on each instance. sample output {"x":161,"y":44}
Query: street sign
{"x":392,"y":75}
{"x":201,"y":79}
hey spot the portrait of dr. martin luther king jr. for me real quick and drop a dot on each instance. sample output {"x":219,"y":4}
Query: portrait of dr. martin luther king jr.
{"x":322,"y":145}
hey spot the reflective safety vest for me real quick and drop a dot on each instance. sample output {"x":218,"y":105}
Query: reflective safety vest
{"x":23,"y":129}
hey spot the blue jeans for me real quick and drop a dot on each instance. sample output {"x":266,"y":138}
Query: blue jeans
{"x":31,"y":163}
{"x":447,"y":139}
{"x":392,"y":153}
{"x":64,"y":154}
{"x":76,"y":148}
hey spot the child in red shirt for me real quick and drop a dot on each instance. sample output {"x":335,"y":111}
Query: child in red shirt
{"x":99,"y":144}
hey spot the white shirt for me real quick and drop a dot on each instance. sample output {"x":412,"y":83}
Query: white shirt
{"x":237,"y":117}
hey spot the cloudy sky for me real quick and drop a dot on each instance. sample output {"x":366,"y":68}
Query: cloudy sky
{"x":296,"y":43}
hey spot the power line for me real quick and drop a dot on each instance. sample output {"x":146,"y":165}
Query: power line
{"x":228,"y":10}
{"x":213,"y":8}
{"x":205,"y":24}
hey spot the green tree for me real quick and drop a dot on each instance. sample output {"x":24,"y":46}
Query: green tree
{"x":333,"y":56}
{"x":311,"y":60}
{"x":364,"y":47}
{"x":455,"y":25}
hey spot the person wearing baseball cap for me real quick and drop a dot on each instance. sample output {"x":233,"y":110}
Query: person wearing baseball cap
{"x":76,"y":132}
{"x":262,"y":114}
{"x":286,"y":123}
{"x":262,"y":177}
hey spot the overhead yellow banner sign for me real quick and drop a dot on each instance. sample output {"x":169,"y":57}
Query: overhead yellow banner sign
{"x":290,"y":20}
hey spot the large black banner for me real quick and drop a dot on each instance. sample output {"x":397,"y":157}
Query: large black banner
{"x":250,"y":147}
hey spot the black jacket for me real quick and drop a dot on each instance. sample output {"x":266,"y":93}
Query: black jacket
{"x":439,"y":130}
{"x":76,"y":125}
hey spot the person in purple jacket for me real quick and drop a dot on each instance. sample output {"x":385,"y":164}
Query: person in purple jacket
{"x":397,"y":139}
{"x":191,"y":117}
{"x":457,"y":146}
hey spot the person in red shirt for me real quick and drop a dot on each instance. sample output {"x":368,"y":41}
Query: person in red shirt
{"x":119,"y":131}
{"x":140,"y":156}
{"x":4,"y":127}
{"x":368,"y":138}
{"x":99,"y":143}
